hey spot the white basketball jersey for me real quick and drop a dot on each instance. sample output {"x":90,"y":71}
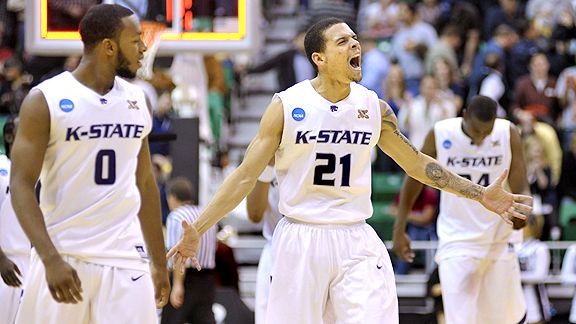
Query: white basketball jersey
{"x":89,"y":196}
{"x":12,"y":238}
{"x":272,"y":215}
{"x":323,"y":161}
{"x":465,"y":226}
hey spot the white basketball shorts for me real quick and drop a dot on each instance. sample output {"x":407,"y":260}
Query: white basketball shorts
{"x":329,"y":274}
{"x":110,"y":295}
{"x":480,"y":291}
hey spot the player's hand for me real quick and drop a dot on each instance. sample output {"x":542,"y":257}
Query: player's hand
{"x":504,"y":203}
{"x":186,"y":248}
{"x":161,"y":282}
{"x":401,"y":246}
{"x":63,"y":281}
{"x":177,"y":295}
{"x":10,"y":272}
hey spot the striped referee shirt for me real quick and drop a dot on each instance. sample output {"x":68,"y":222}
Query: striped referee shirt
{"x":207,"y":252}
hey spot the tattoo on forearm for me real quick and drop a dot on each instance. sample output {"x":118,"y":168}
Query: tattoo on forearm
{"x":442,"y":179}
{"x":405,"y":140}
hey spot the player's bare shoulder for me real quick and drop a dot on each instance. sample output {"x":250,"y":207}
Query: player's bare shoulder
{"x":389,"y":120}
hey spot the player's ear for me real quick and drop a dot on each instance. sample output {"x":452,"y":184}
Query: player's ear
{"x":109,"y":46}
{"x":318,"y":58}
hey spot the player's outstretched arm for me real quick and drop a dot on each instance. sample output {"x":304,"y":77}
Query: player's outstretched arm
{"x":408,"y":194}
{"x":27,"y":157}
{"x":237,"y":185}
{"x":428,"y":171}
{"x":150,"y":217}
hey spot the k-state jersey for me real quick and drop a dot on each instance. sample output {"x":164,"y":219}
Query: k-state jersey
{"x":89,"y":196}
{"x":464,"y":223}
{"x":323,"y":161}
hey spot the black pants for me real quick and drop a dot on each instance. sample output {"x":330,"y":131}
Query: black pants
{"x":198,"y":299}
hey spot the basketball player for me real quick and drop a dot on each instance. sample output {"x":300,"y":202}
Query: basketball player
{"x":262,"y":206}
{"x":478,"y":266}
{"x":327,"y":262}
{"x":14,"y":245}
{"x":97,"y":235}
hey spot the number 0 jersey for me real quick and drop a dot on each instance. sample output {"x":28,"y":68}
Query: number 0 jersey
{"x":89,"y":196}
{"x":464,"y":226}
{"x":323,"y":161}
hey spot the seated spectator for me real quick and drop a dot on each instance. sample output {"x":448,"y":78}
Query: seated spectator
{"x":395,"y":93}
{"x":508,"y":12}
{"x":445,"y":48}
{"x":15,"y":88}
{"x":429,"y":11}
{"x":566,"y":93}
{"x":418,"y":116}
{"x":535,"y":93}
{"x":492,"y":83}
{"x":421,"y":222}
{"x":534,"y":259}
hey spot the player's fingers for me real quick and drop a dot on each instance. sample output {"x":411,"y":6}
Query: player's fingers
{"x":512,"y":213}
{"x":524,"y":209}
{"x":502,"y":177}
{"x":506,"y":217}
{"x":66,"y":295}
{"x":13,"y":280}
{"x":196,"y":263}
{"x":171,"y":253}
{"x":55,"y":294}
{"x":17,"y":270}
{"x":527,"y":200}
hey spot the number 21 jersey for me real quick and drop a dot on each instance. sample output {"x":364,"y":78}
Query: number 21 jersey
{"x":323,"y":161}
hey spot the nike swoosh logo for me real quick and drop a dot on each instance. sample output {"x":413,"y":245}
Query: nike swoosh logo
{"x":378,"y":267}
{"x":136,"y":278}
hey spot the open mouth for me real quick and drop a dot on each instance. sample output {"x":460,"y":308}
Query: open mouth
{"x":355,"y":62}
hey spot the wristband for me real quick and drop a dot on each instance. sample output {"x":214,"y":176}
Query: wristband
{"x":267,"y":175}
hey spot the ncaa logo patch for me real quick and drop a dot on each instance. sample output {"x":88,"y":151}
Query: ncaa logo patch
{"x":66,"y":105}
{"x":3,"y":172}
{"x":447,"y":144}
{"x":298,"y":114}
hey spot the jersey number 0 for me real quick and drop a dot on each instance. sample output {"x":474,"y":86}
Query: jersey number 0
{"x":105,"y":169}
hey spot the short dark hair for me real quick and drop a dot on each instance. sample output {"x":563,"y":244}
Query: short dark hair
{"x":483,"y":108}
{"x":181,"y":188}
{"x":101,"y":22}
{"x":314,"y":40}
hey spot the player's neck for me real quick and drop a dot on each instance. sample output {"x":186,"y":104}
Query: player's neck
{"x":332,"y":90}
{"x":98,"y":77}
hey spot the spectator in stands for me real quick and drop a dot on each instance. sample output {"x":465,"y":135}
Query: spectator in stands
{"x":445,"y":48}
{"x":380,"y":19}
{"x":395,"y":92}
{"x":508,"y":12}
{"x":291,"y":65}
{"x":534,"y":259}
{"x":535,"y":93}
{"x":429,"y":11}
{"x":466,"y":17}
{"x":566,"y":93}
{"x":15,"y":88}
{"x":503,"y":40}
{"x":418,"y":116}
{"x":567,"y":185}
{"x":449,"y":84}
{"x":375,"y":66}
{"x":492,"y":82}
{"x":410,"y":45}
{"x":421,"y":222}
{"x":530,"y":42}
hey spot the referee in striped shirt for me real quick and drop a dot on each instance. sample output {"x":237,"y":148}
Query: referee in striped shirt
{"x":193,"y":291}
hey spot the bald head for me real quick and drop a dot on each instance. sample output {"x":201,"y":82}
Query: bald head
{"x":483,"y":108}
